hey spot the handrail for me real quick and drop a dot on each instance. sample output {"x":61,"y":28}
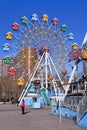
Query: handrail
{"x":81,"y":108}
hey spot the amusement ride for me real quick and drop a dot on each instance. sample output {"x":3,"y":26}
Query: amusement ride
{"x":50,"y":58}
{"x":43,"y":57}
{"x":50,"y":46}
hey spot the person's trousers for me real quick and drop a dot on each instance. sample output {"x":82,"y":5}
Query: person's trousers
{"x":22,"y":110}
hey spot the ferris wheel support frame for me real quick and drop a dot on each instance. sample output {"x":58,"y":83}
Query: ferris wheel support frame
{"x":29,"y":55}
{"x":55,"y":69}
{"x":46,"y":76}
{"x":28,"y":85}
{"x":47,"y":62}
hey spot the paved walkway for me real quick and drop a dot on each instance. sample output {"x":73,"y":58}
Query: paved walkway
{"x":41,"y":119}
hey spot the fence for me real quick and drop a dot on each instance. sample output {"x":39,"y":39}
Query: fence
{"x":81,"y":108}
{"x":72,"y":102}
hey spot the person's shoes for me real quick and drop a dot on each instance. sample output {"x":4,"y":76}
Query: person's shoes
{"x":23,"y":113}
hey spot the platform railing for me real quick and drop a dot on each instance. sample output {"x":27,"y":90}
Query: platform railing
{"x":72,"y":102}
{"x":81,"y":108}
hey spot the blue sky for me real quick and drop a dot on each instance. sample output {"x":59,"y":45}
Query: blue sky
{"x":71,"y":12}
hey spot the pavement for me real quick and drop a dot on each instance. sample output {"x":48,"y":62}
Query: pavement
{"x":33,"y":119}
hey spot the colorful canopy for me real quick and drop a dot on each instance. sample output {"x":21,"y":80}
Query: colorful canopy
{"x":7,"y":60}
{"x":15,"y":26}
{"x":44,"y":18}
{"x":55,"y":21}
{"x":20,"y":81}
{"x":9,"y":36}
{"x":12,"y":72}
{"x":34,"y":17}
{"x":24,"y":20}
{"x":6,"y":47}
{"x":63,"y":28}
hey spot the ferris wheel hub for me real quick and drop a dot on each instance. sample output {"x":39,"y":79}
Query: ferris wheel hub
{"x":43,"y":50}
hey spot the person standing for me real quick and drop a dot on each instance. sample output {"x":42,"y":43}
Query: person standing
{"x":23,"y":106}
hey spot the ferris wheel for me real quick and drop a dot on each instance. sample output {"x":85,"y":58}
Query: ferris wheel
{"x":42,"y":36}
